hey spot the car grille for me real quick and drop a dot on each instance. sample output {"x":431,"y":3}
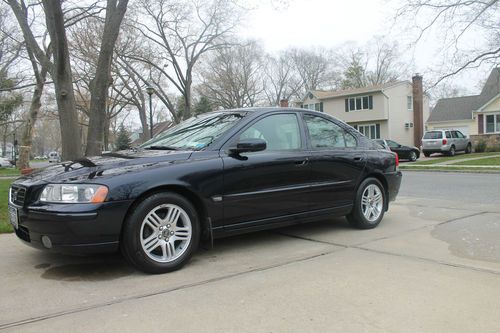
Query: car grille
{"x":17,"y":195}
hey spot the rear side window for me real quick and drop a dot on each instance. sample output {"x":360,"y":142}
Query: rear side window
{"x":433,"y":135}
{"x":325,"y":134}
{"x":448,"y":135}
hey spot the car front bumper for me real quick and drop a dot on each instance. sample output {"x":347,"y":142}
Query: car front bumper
{"x":74,"y":228}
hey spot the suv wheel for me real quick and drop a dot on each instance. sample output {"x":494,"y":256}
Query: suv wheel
{"x":452,"y":151}
{"x":468,"y":149}
{"x":161,"y":234}
{"x":369,"y":205}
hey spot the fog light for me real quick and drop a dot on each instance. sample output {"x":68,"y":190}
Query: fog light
{"x":46,"y":242}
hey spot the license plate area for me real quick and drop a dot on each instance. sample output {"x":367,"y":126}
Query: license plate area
{"x":14,"y":217}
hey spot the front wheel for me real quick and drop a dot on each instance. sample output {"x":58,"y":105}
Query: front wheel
{"x":468,"y":149}
{"x":161,"y":234}
{"x":369,"y":205}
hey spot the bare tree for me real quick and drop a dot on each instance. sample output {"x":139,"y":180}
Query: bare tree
{"x":180,"y":32}
{"x":282,"y":80}
{"x":456,"y":22}
{"x":115,"y":11}
{"x":233,"y":77}
{"x":316,"y":68}
{"x":376,"y":63}
{"x":60,"y":69}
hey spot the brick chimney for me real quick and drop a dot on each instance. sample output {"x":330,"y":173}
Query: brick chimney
{"x":284,"y":103}
{"x":418,"y":110}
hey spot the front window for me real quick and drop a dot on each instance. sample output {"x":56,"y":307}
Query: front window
{"x":371,"y":131}
{"x":359,"y":103}
{"x":196,"y":132}
{"x":280,"y":131}
{"x":492,"y":123}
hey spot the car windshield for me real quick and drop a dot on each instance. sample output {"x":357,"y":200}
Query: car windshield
{"x":433,"y":135}
{"x":195,"y":133}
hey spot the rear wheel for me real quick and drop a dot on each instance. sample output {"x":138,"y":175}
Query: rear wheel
{"x":369,"y":205}
{"x":161,"y":234}
{"x":452,"y":151}
{"x":413,"y":156}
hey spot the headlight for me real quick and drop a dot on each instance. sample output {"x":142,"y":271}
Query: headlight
{"x":74,"y":193}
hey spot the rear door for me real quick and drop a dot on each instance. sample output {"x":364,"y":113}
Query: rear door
{"x":269,"y":183}
{"x":336,"y":163}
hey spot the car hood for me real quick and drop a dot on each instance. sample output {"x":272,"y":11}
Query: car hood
{"x":104,"y":166}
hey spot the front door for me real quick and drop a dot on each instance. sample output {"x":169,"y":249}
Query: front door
{"x":268,"y":184}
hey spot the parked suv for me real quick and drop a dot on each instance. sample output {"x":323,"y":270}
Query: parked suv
{"x":54,"y":157}
{"x":445,"y":142}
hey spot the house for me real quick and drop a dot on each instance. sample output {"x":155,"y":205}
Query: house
{"x":477,"y":116}
{"x":394,"y":110}
{"x":137,"y":138}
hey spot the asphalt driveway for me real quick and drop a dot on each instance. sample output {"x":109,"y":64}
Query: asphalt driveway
{"x":433,"y":265}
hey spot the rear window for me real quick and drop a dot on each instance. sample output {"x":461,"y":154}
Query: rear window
{"x":433,"y":135}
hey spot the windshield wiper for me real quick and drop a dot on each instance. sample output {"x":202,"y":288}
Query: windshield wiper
{"x":162,"y":148}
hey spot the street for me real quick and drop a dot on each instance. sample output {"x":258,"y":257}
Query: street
{"x":432,"y":265}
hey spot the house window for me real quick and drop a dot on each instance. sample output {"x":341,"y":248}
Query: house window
{"x":409,"y":103}
{"x":371,"y":131}
{"x":359,"y":103}
{"x":313,"y":106}
{"x":492,"y":123}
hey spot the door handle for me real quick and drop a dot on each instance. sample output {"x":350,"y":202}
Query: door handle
{"x":301,"y":162}
{"x":358,"y":158}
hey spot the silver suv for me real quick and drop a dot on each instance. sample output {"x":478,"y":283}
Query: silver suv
{"x":445,"y":142}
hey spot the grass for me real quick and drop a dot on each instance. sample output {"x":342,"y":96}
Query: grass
{"x":483,"y":161}
{"x":435,"y":160}
{"x":4,"y":198}
{"x":9,"y":172}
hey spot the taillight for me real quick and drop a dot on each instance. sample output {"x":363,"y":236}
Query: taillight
{"x":397,"y":161}
{"x":444,"y":141}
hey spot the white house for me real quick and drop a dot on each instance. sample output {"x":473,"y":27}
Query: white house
{"x":393,"y":111}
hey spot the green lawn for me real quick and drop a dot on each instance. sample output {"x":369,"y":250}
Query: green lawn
{"x":440,"y":159}
{"x":484,"y":161}
{"x":4,"y":197}
{"x":9,"y":172}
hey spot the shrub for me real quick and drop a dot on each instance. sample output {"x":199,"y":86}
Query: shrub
{"x":480,"y":146}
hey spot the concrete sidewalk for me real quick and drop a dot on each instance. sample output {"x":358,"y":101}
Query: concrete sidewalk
{"x":403,"y":276}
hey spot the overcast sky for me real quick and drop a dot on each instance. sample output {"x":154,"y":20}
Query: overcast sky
{"x":280,"y":24}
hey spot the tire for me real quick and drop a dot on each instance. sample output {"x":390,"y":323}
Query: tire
{"x":413,"y":156}
{"x":468,"y":149}
{"x":161,"y":233}
{"x":361,"y":217}
{"x":427,"y":154}
{"x":452,"y":151}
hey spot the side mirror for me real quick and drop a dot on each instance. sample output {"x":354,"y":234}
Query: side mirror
{"x":248,"y":146}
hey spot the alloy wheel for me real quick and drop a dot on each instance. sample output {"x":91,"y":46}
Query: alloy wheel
{"x":372,"y":202}
{"x":165,"y":233}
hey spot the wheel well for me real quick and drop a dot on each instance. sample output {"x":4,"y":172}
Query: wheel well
{"x":382,"y":180}
{"x":180,"y":190}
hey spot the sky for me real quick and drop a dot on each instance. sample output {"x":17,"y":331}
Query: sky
{"x":280,"y":24}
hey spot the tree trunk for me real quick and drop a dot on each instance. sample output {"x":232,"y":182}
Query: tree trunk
{"x":102,"y":79}
{"x":106,"y":133}
{"x":63,"y":80}
{"x":187,"y":99}
{"x":27,"y":136}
